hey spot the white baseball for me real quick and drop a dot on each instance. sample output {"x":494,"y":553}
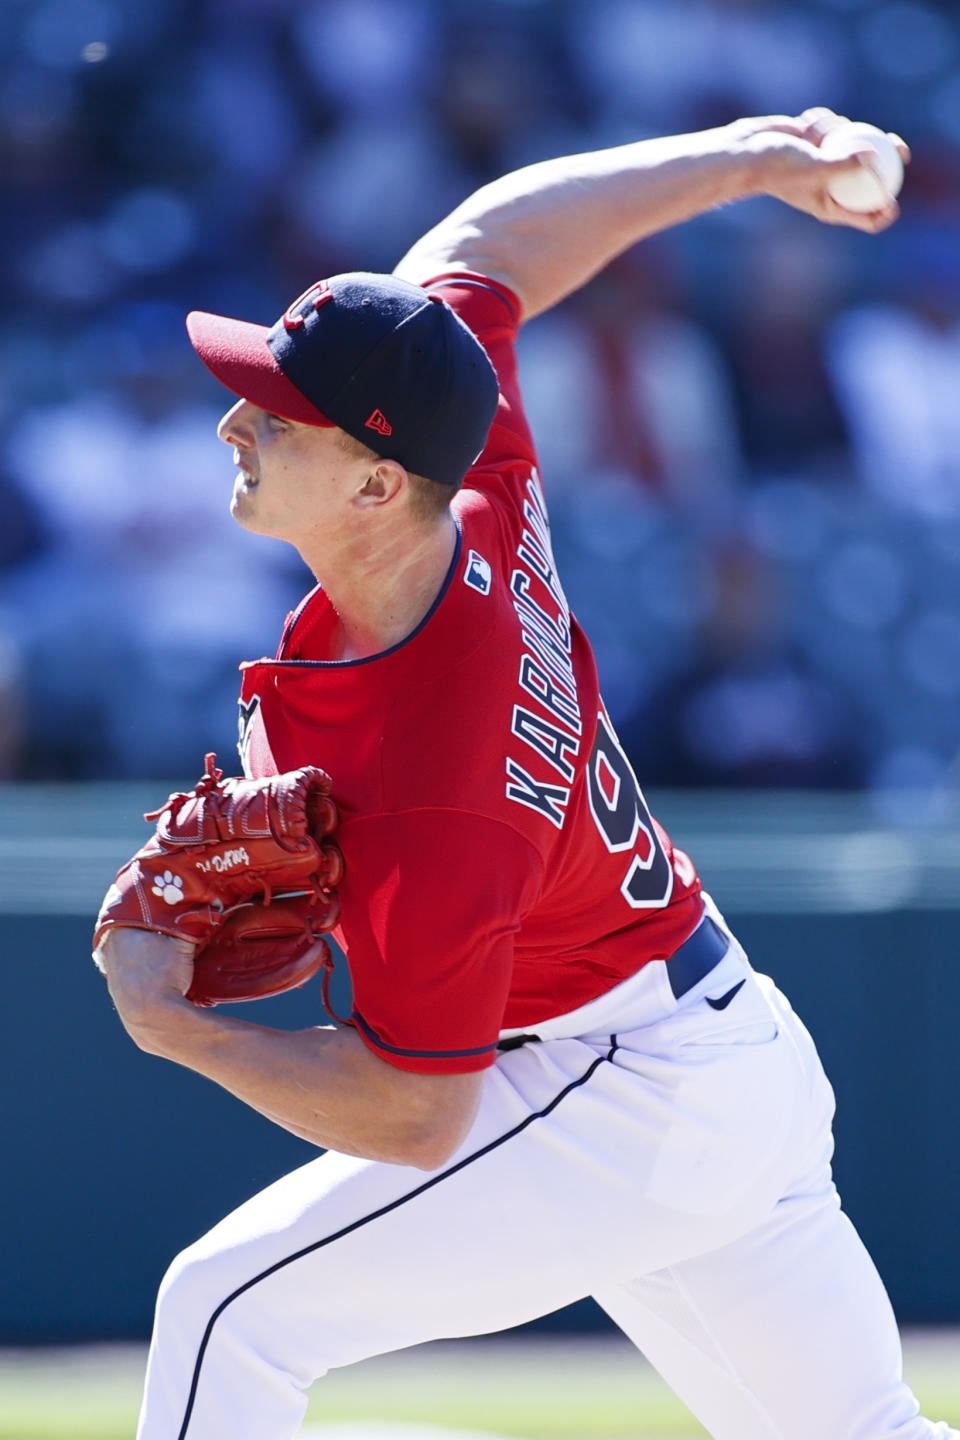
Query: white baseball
{"x":879,"y":175}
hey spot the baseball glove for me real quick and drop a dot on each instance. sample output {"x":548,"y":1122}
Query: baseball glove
{"x":246,"y":871}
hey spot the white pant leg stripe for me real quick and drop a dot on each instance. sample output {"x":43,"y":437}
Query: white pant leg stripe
{"x":375,"y":1215}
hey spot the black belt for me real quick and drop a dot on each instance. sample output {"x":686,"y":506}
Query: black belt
{"x":687,"y":966}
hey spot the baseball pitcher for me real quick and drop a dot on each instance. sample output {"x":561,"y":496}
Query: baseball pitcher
{"x":560,"y":1075}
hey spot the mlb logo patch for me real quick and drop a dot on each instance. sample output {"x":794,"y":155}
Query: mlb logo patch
{"x":478,"y":574}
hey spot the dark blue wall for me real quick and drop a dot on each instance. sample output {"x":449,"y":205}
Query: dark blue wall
{"x":115,"y":1160}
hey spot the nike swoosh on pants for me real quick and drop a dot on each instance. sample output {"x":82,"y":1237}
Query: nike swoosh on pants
{"x":724,"y":1000}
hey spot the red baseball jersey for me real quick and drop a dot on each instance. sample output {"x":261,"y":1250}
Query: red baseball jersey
{"x":502,"y":866}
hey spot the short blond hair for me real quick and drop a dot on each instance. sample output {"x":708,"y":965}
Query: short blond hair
{"x":428,"y":498}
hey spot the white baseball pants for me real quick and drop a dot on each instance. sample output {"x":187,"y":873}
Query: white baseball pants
{"x":670,"y":1159}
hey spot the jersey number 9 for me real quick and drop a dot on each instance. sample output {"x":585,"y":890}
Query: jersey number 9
{"x":623,"y":820}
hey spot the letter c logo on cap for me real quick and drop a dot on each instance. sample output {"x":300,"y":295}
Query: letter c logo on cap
{"x":318,"y":294}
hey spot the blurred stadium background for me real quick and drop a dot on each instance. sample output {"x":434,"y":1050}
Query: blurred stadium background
{"x":748,"y":426}
{"x":750,"y":433}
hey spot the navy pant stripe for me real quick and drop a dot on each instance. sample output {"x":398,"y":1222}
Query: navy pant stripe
{"x":375,"y":1215}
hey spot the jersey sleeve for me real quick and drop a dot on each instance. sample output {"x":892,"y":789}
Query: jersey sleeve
{"x":430,"y":943}
{"x":493,"y":313}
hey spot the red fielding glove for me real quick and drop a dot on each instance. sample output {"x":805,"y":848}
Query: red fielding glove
{"x":246,"y":871}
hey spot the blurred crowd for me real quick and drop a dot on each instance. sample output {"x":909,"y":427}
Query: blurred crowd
{"x":749,"y":427}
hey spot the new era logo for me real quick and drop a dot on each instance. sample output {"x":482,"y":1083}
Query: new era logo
{"x":379,"y":422}
{"x":478,"y":574}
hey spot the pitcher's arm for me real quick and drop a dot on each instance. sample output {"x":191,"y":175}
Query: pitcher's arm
{"x":548,"y":228}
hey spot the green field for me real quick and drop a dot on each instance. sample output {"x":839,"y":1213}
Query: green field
{"x":563,"y":1389}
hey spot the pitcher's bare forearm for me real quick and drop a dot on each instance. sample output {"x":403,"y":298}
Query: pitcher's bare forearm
{"x":323,"y":1084}
{"x":548,"y":228}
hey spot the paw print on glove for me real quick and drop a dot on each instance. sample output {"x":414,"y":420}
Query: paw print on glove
{"x":169,"y":887}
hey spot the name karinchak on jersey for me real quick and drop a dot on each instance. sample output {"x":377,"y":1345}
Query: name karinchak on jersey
{"x":551,"y":726}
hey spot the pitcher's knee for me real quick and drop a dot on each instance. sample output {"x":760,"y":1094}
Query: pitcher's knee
{"x":225,"y":1314}
{"x":191,"y":1291}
